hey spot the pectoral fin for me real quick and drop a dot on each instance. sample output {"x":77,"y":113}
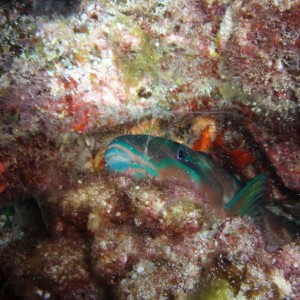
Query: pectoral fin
{"x":247,"y":200}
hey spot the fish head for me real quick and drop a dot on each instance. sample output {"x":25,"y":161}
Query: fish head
{"x":126,"y":154}
{"x":145,"y":155}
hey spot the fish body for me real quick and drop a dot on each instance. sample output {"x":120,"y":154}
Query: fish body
{"x":147,"y":156}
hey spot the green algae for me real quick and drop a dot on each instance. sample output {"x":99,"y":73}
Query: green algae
{"x":180,"y":215}
{"x":232,"y":93}
{"x":141,"y":61}
{"x":219,"y":289}
{"x":221,"y":279}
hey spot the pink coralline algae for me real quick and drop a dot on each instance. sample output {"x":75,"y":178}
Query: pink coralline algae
{"x":61,"y":268}
{"x":288,"y":261}
{"x":261,"y":53}
{"x":282,"y":151}
{"x":171,"y":249}
{"x":129,"y":235}
{"x":112,"y":63}
{"x":218,"y":76}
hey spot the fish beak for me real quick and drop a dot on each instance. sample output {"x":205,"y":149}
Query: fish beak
{"x":117,"y":160}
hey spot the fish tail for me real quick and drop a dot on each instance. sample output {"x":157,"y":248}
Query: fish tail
{"x":248,"y":199}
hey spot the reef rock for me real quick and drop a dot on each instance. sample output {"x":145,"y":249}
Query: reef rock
{"x":219,"y":76}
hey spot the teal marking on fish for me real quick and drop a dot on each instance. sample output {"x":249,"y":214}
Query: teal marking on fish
{"x":148,"y":156}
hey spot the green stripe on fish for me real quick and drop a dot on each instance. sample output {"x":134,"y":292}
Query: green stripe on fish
{"x":145,"y":155}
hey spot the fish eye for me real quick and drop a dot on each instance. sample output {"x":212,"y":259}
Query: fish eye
{"x":180,"y":153}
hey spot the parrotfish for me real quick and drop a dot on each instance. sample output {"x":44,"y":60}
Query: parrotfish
{"x":143,"y":156}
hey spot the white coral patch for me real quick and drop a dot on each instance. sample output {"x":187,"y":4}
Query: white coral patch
{"x":279,"y":280}
{"x":227,"y":25}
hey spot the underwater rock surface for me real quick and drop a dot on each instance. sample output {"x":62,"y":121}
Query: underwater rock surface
{"x":218,"y":76}
{"x":149,"y":241}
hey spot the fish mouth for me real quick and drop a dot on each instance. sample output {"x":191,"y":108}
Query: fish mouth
{"x":123,"y":157}
{"x":116,"y":159}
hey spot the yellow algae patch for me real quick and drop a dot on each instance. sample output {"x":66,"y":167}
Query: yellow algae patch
{"x":219,"y":289}
{"x":136,"y":54}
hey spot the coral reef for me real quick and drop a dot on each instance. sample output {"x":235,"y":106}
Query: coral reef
{"x":109,"y":63}
{"x":150,"y":242}
{"x":219,"y":76}
{"x":261,"y":53}
{"x":58,"y":265}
